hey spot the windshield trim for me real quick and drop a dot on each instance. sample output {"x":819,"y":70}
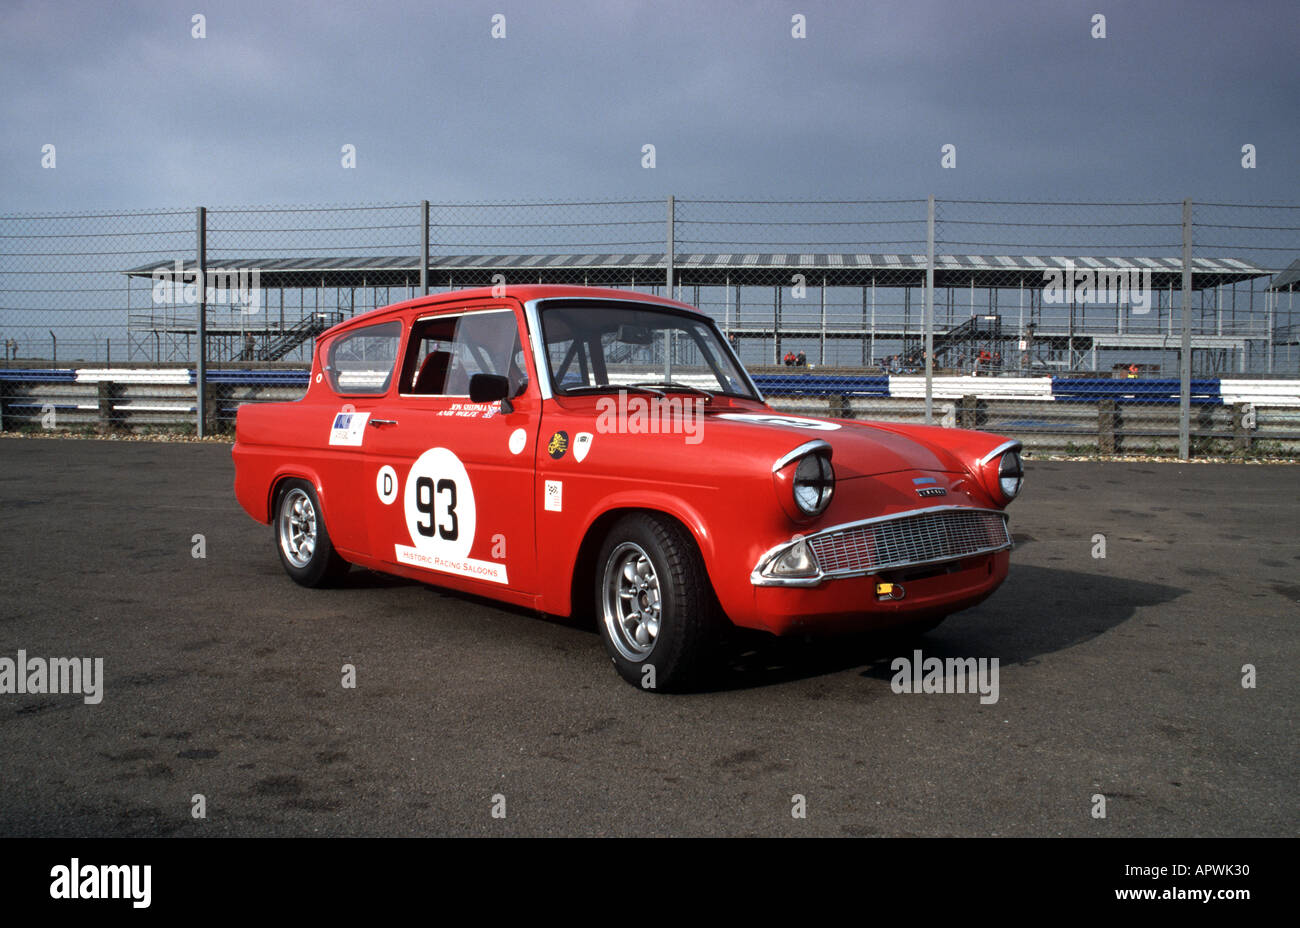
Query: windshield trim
{"x":532,"y":312}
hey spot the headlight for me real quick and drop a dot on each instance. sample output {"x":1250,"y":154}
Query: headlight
{"x":1011,"y":473}
{"x":814,"y":483}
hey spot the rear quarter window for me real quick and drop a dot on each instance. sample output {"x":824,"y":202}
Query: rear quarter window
{"x":362,"y":361}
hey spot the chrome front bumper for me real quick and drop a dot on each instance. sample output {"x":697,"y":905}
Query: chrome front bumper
{"x":905,"y":539}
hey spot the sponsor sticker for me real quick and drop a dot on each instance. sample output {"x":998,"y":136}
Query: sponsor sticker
{"x":581,"y":445}
{"x":554,"y":496}
{"x":461,"y":566}
{"x":349,"y":428}
{"x":558,"y":444}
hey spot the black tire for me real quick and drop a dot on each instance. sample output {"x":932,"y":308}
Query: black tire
{"x":655,"y":608}
{"x":297,"y":518}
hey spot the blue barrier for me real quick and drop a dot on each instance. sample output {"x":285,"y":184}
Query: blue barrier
{"x":286,"y":378}
{"x":41,"y":407}
{"x":1205,"y":392}
{"x":38,"y":375}
{"x":1093,"y":389}
{"x":822,"y":384}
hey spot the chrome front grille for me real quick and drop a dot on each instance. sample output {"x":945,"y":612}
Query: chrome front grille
{"x":931,"y":536}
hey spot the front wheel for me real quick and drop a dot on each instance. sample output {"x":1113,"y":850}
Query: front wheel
{"x":301,"y":538}
{"x":657,"y":613}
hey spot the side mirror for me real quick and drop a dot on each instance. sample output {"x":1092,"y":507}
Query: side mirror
{"x":488,"y":388}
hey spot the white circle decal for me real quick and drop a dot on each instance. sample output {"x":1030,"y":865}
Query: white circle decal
{"x":797,"y":422}
{"x":386,"y":485}
{"x":517,"y":440}
{"x":439,"y":504}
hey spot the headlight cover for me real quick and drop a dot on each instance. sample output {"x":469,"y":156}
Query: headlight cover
{"x":814,"y":484}
{"x":1011,"y":473}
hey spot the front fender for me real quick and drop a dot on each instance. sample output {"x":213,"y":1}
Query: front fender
{"x":558,"y":555}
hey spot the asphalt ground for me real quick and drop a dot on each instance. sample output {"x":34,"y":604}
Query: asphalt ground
{"x":1119,"y":677}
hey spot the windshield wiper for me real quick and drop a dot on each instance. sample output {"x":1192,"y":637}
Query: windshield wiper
{"x":674,"y":385}
{"x":606,"y":387}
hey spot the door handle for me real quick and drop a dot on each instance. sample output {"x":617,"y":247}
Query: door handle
{"x":378,"y":422}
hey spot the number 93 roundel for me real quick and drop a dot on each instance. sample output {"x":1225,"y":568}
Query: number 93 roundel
{"x":439,"y":504}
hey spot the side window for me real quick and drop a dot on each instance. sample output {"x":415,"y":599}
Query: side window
{"x":446,"y":351}
{"x":362,"y":361}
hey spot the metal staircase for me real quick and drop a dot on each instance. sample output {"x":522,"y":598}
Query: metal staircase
{"x":974,"y":333}
{"x":290,"y":338}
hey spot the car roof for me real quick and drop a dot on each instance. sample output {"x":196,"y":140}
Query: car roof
{"x":524,"y":293}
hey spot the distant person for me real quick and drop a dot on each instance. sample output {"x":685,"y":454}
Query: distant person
{"x":801,"y":360}
{"x":250,"y":347}
{"x":789,"y":359}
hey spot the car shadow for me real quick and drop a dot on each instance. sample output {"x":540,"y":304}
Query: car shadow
{"x":360,"y":578}
{"x":1037,"y":611}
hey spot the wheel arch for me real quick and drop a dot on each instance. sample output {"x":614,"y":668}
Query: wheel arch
{"x":281,"y":477}
{"x":585,"y":567}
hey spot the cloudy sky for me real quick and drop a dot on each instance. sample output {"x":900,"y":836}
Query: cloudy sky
{"x":142,"y":114}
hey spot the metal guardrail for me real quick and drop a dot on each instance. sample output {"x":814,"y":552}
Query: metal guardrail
{"x":1094,"y":415}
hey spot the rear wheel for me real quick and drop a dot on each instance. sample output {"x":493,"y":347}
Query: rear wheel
{"x":301,"y":538}
{"x":657,"y":613}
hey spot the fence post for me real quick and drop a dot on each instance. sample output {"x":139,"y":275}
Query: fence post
{"x":105,"y":391}
{"x":1185,"y":355}
{"x":670,"y":255}
{"x":201,"y":285}
{"x":1240,"y":433}
{"x":212,"y":403}
{"x":822,"y":351}
{"x":424,"y":247}
{"x":1270,"y":301}
{"x":1107,"y":420}
{"x":969,"y":416}
{"x":929,"y":311}
{"x":671,"y":246}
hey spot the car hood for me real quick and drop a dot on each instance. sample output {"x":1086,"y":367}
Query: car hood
{"x":859,"y":450}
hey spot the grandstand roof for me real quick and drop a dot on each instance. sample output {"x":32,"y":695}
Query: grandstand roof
{"x":759,"y":269}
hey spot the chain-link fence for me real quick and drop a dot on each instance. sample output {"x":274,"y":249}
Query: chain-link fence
{"x":1062,"y":324}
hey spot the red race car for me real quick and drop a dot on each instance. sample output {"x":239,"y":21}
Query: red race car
{"x":573,"y":448}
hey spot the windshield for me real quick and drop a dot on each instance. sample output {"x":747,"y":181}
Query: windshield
{"x":596,"y":347}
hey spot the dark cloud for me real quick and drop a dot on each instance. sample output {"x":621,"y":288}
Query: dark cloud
{"x":144,"y":115}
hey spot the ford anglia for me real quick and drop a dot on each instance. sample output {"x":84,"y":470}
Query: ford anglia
{"x":581,"y":450}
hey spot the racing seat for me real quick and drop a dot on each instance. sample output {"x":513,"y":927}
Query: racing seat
{"x":433,"y":374}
